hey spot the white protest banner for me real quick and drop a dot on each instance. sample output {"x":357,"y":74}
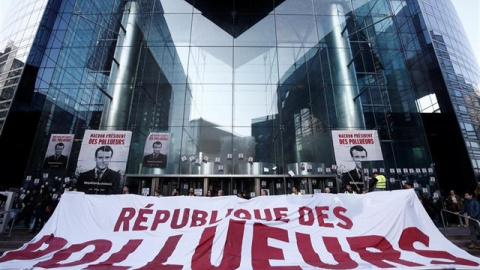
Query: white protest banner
{"x":323,"y":231}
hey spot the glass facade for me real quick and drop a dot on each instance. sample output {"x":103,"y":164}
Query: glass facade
{"x":249,"y":92}
{"x":460,"y":72}
{"x":16,"y":43}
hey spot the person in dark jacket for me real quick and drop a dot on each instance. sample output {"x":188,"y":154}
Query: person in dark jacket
{"x":28,"y":204}
{"x":454,"y":204}
{"x":40,"y":210}
{"x":477,"y":193}
{"x":472,"y":208}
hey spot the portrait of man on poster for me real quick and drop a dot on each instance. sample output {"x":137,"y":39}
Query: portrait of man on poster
{"x":57,"y":160}
{"x":355,"y":177}
{"x":156,"y":159}
{"x":101,"y":179}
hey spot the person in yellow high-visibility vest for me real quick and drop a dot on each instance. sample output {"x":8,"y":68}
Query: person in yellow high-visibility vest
{"x":378,"y":182}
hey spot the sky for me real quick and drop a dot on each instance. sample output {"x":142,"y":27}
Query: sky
{"x":469,"y":13}
{"x":468,"y":10}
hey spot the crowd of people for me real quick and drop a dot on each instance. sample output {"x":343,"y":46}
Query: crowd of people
{"x":465,"y":212}
{"x":209,"y":193}
{"x":35,"y":207}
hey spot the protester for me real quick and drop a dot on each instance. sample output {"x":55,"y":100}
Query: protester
{"x":454,"y":204}
{"x":26,"y":212}
{"x":349,"y":190}
{"x":40,"y":210}
{"x":378,"y":182}
{"x":295,"y":191}
{"x":472,"y":208}
{"x":477,"y":193}
{"x":242,"y":195}
{"x":428,"y":206}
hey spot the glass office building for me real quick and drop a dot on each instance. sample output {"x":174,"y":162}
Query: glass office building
{"x":248,"y":94}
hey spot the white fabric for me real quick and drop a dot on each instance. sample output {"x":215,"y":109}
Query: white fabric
{"x":340,"y":222}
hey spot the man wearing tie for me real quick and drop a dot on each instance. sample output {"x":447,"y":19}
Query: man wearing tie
{"x":155,"y":159}
{"x":354,"y":177}
{"x":101,"y":179}
{"x":56,"y":161}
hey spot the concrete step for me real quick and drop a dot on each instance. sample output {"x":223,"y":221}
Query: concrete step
{"x":460,"y":236}
{"x":14,"y":239}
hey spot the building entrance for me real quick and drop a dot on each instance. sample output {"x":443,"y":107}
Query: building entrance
{"x":244,"y":186}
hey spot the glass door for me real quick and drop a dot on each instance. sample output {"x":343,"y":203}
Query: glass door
{"x":243,"y":187}
{"x":220,"y":184}
{"x":190,"y":186}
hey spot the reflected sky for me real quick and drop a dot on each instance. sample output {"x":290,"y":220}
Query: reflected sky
{"x":234,"y":80}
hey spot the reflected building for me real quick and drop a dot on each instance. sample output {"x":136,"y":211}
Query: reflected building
{"x":249,"y":92}
{"x":11,"y":70}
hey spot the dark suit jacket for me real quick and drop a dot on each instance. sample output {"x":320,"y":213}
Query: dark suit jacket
{"x":108,"y":184}
{"x":52,"y":163}
{"x":353,"y":179}
{"x":150,"y":161}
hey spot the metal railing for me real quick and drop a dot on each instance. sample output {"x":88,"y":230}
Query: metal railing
{"x":7,"y":220}
{"x":456,"y":214}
